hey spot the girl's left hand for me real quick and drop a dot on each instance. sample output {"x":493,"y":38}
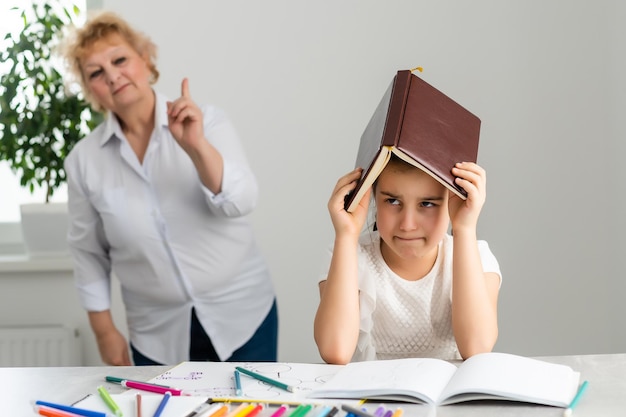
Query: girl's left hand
{"x":185,"y":120}
{"x":473,"y":179}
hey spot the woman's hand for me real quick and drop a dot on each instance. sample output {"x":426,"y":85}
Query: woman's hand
{"x":473,"y":179}
{"x":185,"y":120}
{"x":346,"y":223}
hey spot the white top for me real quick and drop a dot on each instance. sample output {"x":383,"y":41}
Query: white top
{"x":401,"y":318}
{"x":172,"y":243}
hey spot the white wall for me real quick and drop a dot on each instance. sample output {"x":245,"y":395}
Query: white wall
{"x":301,"y":79}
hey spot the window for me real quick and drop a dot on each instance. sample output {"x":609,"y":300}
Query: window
{"x":11,"y":193}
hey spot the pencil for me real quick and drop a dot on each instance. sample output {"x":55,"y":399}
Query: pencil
{"x":265,"y":379}
{"x":254,"y":400}
{"x":281,"y":410}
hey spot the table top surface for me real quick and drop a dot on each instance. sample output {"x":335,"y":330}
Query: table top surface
{"x":21,"y":387}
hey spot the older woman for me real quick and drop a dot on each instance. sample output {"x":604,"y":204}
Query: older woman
{"x":158,"y":195}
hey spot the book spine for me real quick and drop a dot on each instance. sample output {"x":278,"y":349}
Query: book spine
{"x":397,"y":107}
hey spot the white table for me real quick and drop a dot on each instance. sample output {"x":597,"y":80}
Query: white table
{"x":20,"y":387}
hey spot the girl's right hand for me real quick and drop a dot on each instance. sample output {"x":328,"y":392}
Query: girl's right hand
{"x":346,"y":223}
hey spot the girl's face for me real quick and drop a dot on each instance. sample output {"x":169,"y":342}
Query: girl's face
{"x":116,"y":74}
{"x":412,"y":214}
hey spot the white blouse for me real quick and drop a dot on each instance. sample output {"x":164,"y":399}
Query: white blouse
{"x":401,"y":318}
{"x":170,"y":241}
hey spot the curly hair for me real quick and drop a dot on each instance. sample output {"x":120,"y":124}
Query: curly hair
{"x":77,"y":45}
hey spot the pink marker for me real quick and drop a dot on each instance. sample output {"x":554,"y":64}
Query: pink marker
{"x":144,"y":386}
{"x":281,"y":410}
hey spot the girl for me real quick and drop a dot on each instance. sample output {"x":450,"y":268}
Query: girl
{"x":408,"y":288}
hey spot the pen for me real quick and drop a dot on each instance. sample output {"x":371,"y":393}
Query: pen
{"x":237,"y":383}
{"x":356,"y":411}
{"x":162,"y":404}
{"x":568,"y":411}
{"x":281,"y":410}
{"x":201,"y":408}
{"x":144,"y":386}
{"x":266,"y":379}
{"x":73,"y":410}
{"x":118,"y":381}
{"x":106,"y":397}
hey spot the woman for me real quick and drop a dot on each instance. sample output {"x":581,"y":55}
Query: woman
{"x":158,"y":195}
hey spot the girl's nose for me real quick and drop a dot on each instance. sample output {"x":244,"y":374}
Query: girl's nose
{"x":408,"y":220}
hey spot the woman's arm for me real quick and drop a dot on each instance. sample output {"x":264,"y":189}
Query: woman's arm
{"x":111,"y":343}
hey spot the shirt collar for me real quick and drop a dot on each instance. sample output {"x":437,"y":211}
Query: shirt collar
{"x":112,"y":126}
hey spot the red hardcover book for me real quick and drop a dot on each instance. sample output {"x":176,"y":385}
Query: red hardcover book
{"x":422,"y":126}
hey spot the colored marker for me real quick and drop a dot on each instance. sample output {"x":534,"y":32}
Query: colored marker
{"x":256,"y":410}
{"x":162,"y":404}
{"x":73,"y":410}
{"x":379,"y":411}
{"x":398,"y":412}
{"x":238,"y":391}
{"x":220,"y":410}
{"x":322,"y":411}
{"x":266,"y":379}
{"x":281,"y":410}
{"x":144,"y":386}
{"x":333,"y":412}
{"x":53,"y":412}
{"x":356,"y":411}
{"x":202,"y":408}
{"x":106,"y":397}
{"x":568,"y":411}
{"x":117,"y":380}
{"x":237,"y":411}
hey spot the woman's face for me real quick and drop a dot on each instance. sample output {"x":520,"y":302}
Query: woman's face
{"x":116,"y":75}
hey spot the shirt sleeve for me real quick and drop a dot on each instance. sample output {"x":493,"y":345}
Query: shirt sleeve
{"x":239,"y":193}
{"x":488,"y":259}
{"x":92,"y":266}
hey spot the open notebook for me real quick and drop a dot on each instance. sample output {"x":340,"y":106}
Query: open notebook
{"x":493,"y":376}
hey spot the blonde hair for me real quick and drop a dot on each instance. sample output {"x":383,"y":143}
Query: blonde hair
{"x":77,"y":45}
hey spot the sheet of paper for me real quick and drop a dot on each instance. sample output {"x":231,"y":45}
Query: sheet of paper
{"x":217,"y":379}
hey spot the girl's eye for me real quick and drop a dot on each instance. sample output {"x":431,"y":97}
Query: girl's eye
{"x":119,"y":60}
{"x":427,"y":204}
{"x":392,"y":201}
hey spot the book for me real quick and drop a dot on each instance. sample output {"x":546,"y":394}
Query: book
{"x":422,"y":126}
{"x":486,"y":376}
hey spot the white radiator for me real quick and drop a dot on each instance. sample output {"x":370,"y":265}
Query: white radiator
{"x":40,"y":345}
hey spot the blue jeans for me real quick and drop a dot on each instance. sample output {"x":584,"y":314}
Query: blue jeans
{"x":261,"y":347}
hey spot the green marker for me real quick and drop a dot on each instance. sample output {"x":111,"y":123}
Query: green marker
{"x":106,"y":397}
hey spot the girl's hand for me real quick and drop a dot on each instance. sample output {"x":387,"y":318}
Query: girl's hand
{"x":343,"y":221}
{"x":473,"y":179}
{"x":185,"y":120}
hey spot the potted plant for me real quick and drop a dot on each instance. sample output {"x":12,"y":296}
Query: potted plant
{"x":40,"y":118}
